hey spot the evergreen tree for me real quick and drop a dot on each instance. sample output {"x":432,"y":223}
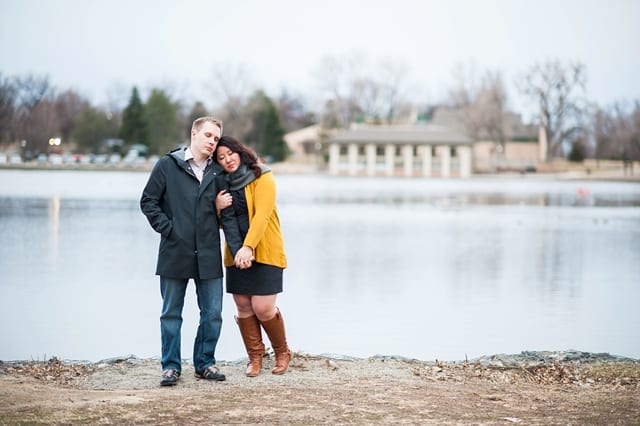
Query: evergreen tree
{"x":164,"y":124}
{"x":267,"y":133}
{"x":198,"y":110}
{"x":134,"y":123}
{"x":92,"y":126}
{"x":578,"y":151}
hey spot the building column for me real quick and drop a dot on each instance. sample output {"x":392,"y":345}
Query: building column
{"x":334,"y":158}
{"x":445,"y":161}
{"x":352,"y":159}
{"x":464,"y":154}
{"x":426,"y":160}
{"x":389,"y":159}
{"x":370,"y":151}
{"x":542,"y":144}
{"x":407,"y":159}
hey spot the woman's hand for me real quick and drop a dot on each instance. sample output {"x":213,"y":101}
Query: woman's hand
{"x":223,"y":200}
{"x":244,"y":257}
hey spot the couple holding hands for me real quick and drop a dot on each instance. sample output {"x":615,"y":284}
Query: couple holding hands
{"x":191,"y":192}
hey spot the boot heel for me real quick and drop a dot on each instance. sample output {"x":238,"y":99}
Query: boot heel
{"x":276,"y":332}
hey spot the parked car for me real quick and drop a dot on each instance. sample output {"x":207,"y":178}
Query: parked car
{"x":115,"y":158}
{"x":55,"y":159}
{"x":99,"y":159}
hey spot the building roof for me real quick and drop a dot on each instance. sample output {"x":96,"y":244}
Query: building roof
{"x":515,"y":129}
{"x":408,"y":134}
{"x":300,"y":135}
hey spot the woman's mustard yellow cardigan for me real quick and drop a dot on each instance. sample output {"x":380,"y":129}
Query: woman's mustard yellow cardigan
{"x":264,"y":235}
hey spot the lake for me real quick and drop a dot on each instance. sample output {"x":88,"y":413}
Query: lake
{"x":424,"y":268}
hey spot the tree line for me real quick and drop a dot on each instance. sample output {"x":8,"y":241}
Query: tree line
{"x":32,"y":112}
{"x":574,"y":127}
{"x":354,"y":90}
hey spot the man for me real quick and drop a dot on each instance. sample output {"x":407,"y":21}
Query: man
{"x":179,"y":203}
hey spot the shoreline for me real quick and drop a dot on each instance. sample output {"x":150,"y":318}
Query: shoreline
{"x":522,"y":358}
{"x":616,"y":175}
{"x":563,"y":387}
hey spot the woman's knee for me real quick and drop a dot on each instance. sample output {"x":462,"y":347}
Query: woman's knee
{"x":265,"y":308}
{"x":243,"y":305}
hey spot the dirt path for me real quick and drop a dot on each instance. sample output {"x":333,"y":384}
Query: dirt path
{"x":325,"y":390}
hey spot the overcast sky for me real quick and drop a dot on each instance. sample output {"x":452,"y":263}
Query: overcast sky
{"x":97,"y":47}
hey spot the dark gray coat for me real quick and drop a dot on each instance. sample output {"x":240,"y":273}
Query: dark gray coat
{"x":182,"y":210}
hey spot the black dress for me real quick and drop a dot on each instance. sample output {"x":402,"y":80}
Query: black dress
{"x":260,"y":279}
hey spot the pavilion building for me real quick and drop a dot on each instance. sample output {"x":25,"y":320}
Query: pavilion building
{"x":400,"y":150}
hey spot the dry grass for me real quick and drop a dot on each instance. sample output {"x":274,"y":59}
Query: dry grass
{"x":321,"y":390}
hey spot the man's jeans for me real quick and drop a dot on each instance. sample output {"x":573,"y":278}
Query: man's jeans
{"x":209,"y":294}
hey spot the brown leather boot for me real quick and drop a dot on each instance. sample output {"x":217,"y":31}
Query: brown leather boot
{"x":252,"y":337}
{"x":275,"y":330}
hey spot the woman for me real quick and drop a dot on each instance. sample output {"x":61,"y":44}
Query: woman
{"x":254,"y":273}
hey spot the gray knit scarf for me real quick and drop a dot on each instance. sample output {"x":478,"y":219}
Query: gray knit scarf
{"x":243,"y":176}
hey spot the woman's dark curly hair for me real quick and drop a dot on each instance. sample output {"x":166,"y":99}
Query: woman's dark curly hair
{"x":247,"y":155}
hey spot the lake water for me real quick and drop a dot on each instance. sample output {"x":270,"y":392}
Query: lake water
{"x":423,"y":268}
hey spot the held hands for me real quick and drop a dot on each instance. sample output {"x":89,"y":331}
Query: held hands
{"x":244,"y":257}
{"x":223,"y":200}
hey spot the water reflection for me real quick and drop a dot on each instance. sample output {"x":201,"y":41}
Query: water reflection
{"x":54,"y":215}
{"x":489,"y":199}
{"x":435,"y":269}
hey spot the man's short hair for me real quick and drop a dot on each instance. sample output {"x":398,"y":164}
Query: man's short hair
{"x":198,"y":122}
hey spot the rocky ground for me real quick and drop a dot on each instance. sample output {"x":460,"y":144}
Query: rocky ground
{"x":529,"y":388}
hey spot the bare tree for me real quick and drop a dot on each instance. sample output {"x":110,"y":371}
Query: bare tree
{"x":466,"y":85}
{"x":116,"y":101}
{"x":41,"y":125}
{"x":32,"y":123}
{"x":358,"y":90}
{"x":330,"y":116}
{"x":557,"y":89}
{"x":635,"y":131}
{"x":231,"y":86}
{"x":377,"y":92}
{"x":393,"y":76}
{"x":68,"y":106}
{"x":293,"y":113}
{"x":483,"y":103}
{"x":616,"y":132}
{"x":603,"y":133}
{"x":117,"y":98}
{"x":32,"y":113}
{"x":607,"y":132}
{"x":339,"y":78}
{"x":230,"y":80}
{"x":8,"y":100}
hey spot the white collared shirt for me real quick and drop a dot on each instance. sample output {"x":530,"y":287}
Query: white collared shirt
{"x":197,"y":170}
